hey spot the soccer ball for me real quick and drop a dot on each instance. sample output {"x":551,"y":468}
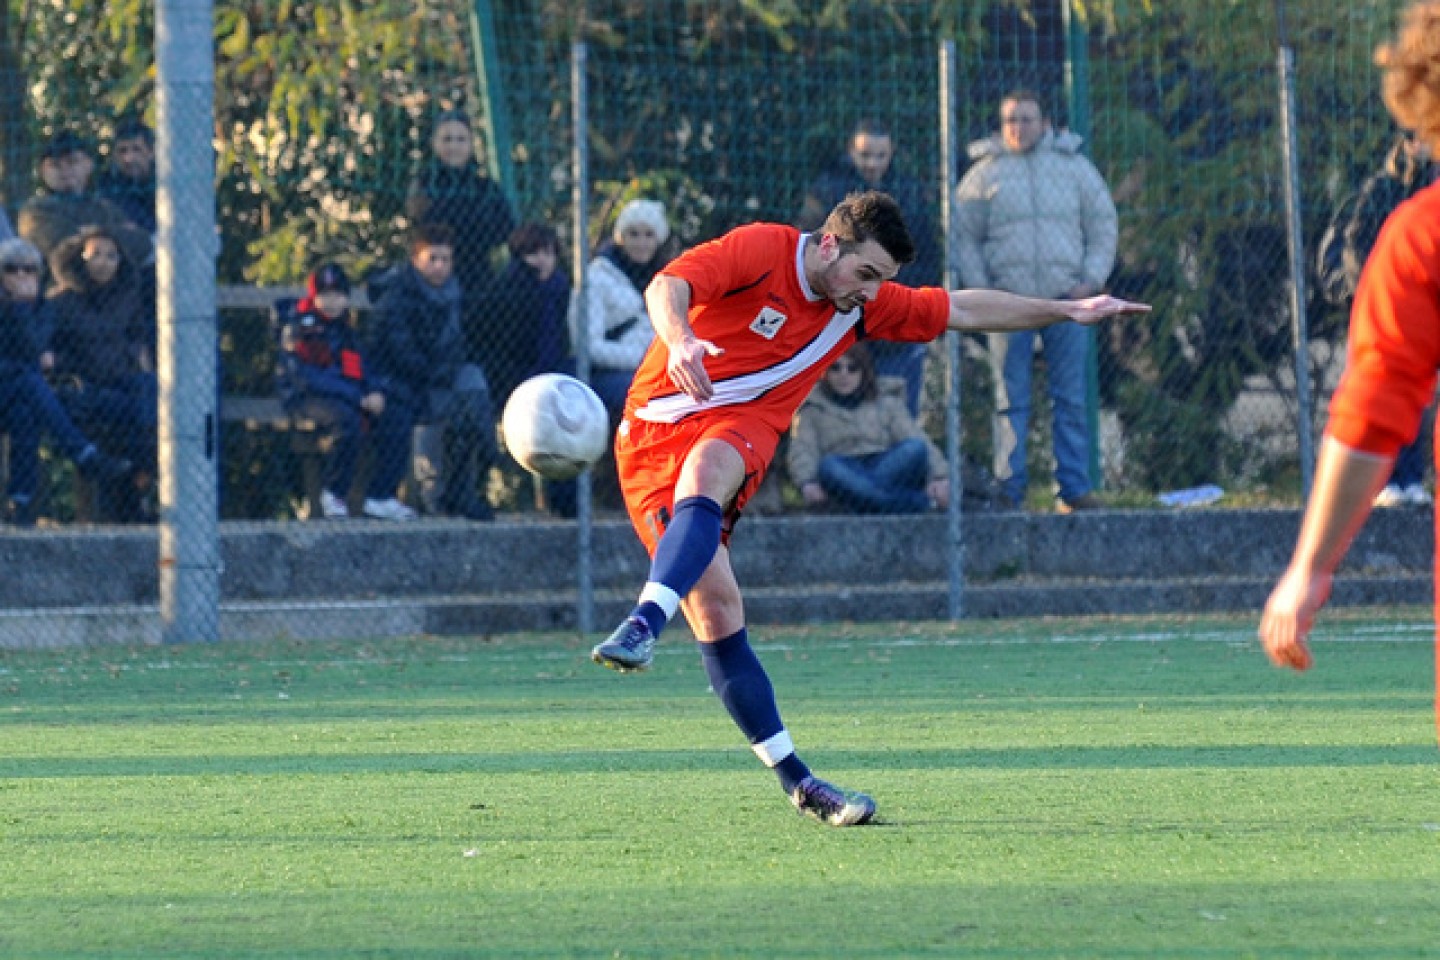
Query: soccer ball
{"x":555,"y":426}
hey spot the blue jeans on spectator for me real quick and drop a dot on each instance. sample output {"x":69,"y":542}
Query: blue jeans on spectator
{"x":29,"y":409}
{"x":903,"y":360}
{"x":1012,"y":357}
{"x":611,"y":386}
{"x":123,"y":416}
{"x":346,"y":427}
{"x":889,"y":482}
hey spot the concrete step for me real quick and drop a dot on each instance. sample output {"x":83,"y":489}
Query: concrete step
{"x":464,"y":614}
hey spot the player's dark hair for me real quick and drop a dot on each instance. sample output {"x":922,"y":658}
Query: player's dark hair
{"x":871,"y":215}
{"x":431,"y":235}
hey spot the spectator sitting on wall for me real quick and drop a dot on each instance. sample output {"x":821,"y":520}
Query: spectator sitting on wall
{"x":28,"y":405}
{"x":324,"y":377}
{"x":105,"y":360}
{"x":417,"y":353}
{"x":855,"y":446}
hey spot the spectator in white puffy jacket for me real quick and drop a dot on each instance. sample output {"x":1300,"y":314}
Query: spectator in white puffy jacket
{"x":617,"y":329}
{"x":1034,"y":217}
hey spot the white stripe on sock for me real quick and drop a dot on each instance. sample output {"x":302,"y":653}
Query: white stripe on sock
{"x":775,"y":749}
{"x":663,"y":597}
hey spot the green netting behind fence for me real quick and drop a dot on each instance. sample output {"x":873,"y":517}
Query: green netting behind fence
{"x":726,"y":111}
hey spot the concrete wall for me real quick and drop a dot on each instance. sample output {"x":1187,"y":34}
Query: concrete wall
{"x":322,"y":580}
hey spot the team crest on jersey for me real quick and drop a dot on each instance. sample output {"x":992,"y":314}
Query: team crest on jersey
{"x":768,"y":322}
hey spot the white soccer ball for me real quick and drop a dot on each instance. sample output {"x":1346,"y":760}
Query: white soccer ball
{"x":555,"y":426}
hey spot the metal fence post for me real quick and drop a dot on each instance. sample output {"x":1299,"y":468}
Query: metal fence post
{"x":580,"y":195}
{"x":953,"y":353}
{"x":185,"y":273}
{"x":1299,"y":327}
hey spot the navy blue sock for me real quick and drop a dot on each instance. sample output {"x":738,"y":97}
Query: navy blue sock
{"x":743,"y":686}
{"x":681,"y":557}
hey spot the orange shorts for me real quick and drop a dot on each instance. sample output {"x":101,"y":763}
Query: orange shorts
{"x":649,"y":456}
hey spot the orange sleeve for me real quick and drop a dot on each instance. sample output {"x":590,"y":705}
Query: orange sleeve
{"x":908,"y":314}
{"x":736,"y":259}
{"x":1394,"y":347}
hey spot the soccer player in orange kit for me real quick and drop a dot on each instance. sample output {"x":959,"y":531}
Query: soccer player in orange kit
{"x":1394,"y":353}
{"x":745,"y":325}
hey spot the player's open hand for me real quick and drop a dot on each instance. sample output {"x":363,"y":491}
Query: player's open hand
{"x":1094,"y":309}
{"x":687,"y":368}
{"x":1289,"y":614}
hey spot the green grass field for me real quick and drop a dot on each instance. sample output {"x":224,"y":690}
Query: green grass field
{"x":1066,"y":788}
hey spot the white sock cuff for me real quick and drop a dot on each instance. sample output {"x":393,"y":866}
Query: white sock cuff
{"x":662,"y":596}
{"x":775,"y":749}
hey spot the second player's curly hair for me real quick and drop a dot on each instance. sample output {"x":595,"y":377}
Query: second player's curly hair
{"x":1410,"y":65}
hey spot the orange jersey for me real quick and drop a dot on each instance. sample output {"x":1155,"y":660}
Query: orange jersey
{"x":1394,"y":348}
{"x":749,"y":296}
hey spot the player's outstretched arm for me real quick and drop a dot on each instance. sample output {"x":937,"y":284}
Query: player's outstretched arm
{"x":667,"y":300}
{"x":995,"y":311}
{"x":1346,"y":481}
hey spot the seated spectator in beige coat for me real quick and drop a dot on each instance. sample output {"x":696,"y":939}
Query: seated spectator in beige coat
{"x":855,"y":447}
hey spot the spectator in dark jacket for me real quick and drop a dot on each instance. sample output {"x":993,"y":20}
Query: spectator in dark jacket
{"x":323,"y":377}
{"x":534,"y":316}
{"x":28,"y":406}
{"x":452,"y":188}
{"x":105,"y":360}
{"x":128,"y":180}
{"x":68,"y":203}
{"x":869,"y":164}
{"x":416,"y":350}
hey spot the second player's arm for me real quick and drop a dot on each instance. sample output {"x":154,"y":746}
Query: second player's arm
{"x":667,"y":300}
{"x":995,"y":311}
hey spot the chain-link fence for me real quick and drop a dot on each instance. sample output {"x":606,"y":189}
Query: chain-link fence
{"x":354,"y":141}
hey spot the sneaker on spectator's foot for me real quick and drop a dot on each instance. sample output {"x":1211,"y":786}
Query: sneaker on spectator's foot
{"x":388,"y":509}
{"x":1417,"y":494}
{"x":1390,"y":496}
{"x":1086,"y":501}
{"x":333,"y":507}
{"x":630,"y":648}
{"x":829,"y":804}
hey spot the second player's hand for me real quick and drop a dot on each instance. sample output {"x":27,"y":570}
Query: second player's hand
{"x":1289,"y":614}
{"x":1095,"y":309}
{"x":687,"y":368}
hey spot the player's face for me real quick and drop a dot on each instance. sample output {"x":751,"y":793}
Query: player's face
{"x":434,"y":263}
{"x":134,"y":158}
{"x":542,"y":261}
{"x":452,"y":143}
{"x":1021,"y":125}
{"x":102,"y":259}
{"x":871,"y":156}
{"x":852,"y":278}
{"x":640,"y":242}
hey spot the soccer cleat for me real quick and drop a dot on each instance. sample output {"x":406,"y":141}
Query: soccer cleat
{"x":389,"y":509}
{"x":1415,"y":493}
{"x":829,"y":804}
{"x":630,"y":648}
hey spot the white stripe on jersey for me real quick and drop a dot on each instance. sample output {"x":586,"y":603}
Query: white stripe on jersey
{"x":743,"y":389}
